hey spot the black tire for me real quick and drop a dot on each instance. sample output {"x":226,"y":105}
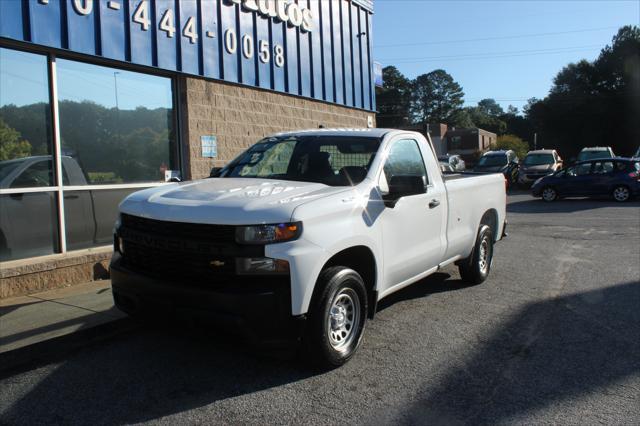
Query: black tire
{"x":476,"y":268}
{"x":621,"y":193}
{"x":324,"y":332}
{"x":553,"y":194}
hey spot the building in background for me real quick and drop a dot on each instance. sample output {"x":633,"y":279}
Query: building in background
{"x":100,"y":98}
{"x":469,"y":143}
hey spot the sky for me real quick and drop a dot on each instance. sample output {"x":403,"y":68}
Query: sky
{"x":509,"y":50}
{"x":24,"y":76}
{"x":506,"y":50}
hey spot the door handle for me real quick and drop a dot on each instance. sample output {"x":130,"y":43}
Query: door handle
{"x":434,"y":203}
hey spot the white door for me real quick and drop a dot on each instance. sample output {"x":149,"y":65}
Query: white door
{"x":412,"y":229}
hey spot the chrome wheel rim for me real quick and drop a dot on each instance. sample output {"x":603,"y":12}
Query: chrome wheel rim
{"x":549,"y":194}
{"x":483,"y":256}
{"x":344,"y":317}
{"x":621,"y":194}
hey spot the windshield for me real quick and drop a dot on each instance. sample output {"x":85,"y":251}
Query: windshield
{"x":538,"y":159}
{"x":591,"y":155}
{"x":332,"y":160}
{"x":492,"y":160}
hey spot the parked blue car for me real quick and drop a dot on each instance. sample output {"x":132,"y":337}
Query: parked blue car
{"x":618,"y":178}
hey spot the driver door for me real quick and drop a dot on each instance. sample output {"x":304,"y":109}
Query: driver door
{"x":412,"y":227}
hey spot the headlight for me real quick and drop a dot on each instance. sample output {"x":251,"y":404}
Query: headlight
{"x":265,"y":234}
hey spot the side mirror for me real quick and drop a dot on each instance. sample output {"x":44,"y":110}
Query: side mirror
{"x":215,"y":172}
{"x":403,"y":186}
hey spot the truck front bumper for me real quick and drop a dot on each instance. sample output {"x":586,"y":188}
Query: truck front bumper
{"x":257,"y":307}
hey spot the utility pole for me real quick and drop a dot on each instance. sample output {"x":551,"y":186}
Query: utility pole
{"x":115,"y":81}
{"x":535,"y":141}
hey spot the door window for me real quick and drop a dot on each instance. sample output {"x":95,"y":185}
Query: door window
{"x":404,"y":159}
{"x":602,"y":167}
{"x":579,"y":170}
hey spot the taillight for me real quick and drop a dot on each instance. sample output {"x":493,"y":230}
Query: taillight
{"x":506,"y":184}
{"x":634,"y":175}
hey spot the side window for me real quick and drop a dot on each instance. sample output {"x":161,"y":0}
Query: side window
{"x":579,"y":170}
{"x":405,"y":159}
{"x":602,"y":167}
{"x":623,"y":167}
{"x":37,"y":174}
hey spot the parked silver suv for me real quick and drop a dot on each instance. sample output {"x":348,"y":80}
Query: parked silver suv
{"x":537,"y":164}
{"x":595,"y":152}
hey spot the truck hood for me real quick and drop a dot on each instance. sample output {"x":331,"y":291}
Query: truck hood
{"x":225,"y":201}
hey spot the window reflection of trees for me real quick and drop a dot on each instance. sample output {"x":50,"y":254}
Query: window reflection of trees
{"x":111,"y":145}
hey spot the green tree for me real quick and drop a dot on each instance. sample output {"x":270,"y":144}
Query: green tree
{"x":436,"y":97}
{"x":485,"y":121}
{"x":490,"y":107}
{"x":393,"y":98}
{"x":593,"y":103}
{"x":11,"y":145}
{"x":514,"y":143}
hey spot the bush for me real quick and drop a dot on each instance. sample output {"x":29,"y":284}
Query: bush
{"x":514,"y":143}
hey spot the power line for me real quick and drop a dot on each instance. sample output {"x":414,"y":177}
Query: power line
{"x":467,"y":58}
{"x":493,"y":38}
{"x":510,"y":52}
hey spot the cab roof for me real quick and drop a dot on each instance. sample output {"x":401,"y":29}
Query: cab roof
{"x":375,"y":133}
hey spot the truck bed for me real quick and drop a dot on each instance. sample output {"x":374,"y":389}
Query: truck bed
{"x":469,"y":195}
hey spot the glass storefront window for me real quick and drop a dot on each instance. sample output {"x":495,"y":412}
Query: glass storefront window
{"x":28,"y":221}
{"x":25,"y":119}
{"x":117,"y":125}
{"x":116,"y":128}
{"x":90,"y":215}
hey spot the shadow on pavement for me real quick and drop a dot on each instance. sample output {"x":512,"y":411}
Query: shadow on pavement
{"x":565,"y":206}
{"x":549,"y":352}
{"x":153,"y":371}
{"x":438,"y":282}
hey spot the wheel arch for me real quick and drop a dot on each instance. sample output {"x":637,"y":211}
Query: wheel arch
{"x":490,"y":218}
{"x":361,"y":259}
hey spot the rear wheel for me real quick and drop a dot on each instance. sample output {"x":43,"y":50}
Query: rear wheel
{"x":475,"y":268}
{"x":337,"y":317}
{"x":549,"y":194}
{"x":621,"y":193}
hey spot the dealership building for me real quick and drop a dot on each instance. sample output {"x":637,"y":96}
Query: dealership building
{"x":101,"y":98}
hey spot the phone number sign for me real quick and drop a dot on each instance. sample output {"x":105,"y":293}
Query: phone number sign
{"x":313,"y":48}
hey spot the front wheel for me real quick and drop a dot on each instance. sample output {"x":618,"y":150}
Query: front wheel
{"x":337,"y":317}
{"x":475,"y":269}
{"x":621,"y":193}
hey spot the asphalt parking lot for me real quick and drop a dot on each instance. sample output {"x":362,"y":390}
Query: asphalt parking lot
{"x":552,"y":337}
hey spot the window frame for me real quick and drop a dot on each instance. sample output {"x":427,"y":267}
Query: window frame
{"x":175,"y":152}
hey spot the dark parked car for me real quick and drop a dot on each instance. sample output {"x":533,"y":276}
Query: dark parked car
{"x":505,"y":162}
{"x":615,"y":177}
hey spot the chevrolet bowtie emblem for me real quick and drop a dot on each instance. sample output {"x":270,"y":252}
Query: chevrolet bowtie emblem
{"x":216,"y":263}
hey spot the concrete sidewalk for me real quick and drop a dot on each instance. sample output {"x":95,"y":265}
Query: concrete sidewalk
{"x":29,"y":321}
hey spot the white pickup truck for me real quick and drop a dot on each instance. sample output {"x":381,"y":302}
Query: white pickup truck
{"x":301,"y":235}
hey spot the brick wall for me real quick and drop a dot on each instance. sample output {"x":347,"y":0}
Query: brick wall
{"x":239,"y":116}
